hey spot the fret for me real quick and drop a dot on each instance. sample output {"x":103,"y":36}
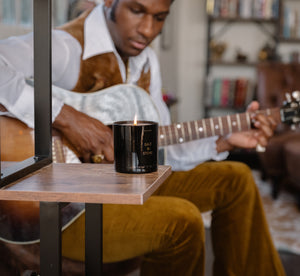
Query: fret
{"x":190,"y":131}
{"x":173,"y":134}
{"x":217,"y":126}
{"x":176,"y":133}
{"x":238,"y":122}
{"x":198,"y":129}
{"x":212,"y":126}
{"x":193,"y":130}
{"x":211,"y":123}
{"x":229,"y":123}
{"x":243,"y":122}
{"x":204,"y":128}
{"x":248,"y":118}
{"x":170,"y":134}
{"x":166,"y":138}
{"x":221,"y":126}
{"x":233,"y":123}
{"x":178,"y":126}
{"x":162,"y":135}
{"x":182,"y":138}
{"x":183,"y":132}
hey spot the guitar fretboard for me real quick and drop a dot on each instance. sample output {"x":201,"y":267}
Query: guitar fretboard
{"x":183,"y":132}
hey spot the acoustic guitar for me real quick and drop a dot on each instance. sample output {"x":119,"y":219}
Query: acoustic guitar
{"x":19,"y":221}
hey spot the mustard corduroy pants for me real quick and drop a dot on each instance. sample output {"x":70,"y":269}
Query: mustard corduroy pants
{"x":168,"y":229}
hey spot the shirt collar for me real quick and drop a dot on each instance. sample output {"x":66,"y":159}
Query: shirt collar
{"x":97,"y":39}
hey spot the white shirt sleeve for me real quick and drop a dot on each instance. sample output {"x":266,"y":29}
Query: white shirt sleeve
{"x":16,"y":65}
{"x":187,"y":155}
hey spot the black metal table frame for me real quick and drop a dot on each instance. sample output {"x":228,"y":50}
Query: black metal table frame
{"x":50,"y":239}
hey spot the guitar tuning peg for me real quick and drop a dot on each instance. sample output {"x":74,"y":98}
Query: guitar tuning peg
{"x":288,"y":97}
{"x":296,"y":95}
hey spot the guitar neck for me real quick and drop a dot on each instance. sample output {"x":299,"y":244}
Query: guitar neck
{"x":184,"y":132}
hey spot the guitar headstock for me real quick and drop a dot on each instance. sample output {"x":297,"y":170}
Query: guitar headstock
{"x":290,"y":112}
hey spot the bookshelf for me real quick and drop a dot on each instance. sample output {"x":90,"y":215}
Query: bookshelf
{"x":225,"y":93}
{"x":278,"y":23}
{"x":277,"y":20}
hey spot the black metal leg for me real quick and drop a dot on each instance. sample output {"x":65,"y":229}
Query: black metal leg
{"x":93,"y":239}
{"x":50,"y":235}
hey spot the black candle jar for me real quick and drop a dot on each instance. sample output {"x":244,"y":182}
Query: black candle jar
{"x":135,"y":146}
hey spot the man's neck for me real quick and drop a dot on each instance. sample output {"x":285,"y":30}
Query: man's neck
{"x":123,"y":57}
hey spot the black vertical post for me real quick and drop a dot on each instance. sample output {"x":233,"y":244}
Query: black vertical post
{"x":93,"y":239}
{"x":50,"y":239}
{"x":208,"y":41}
{"x":0,"y":152}
{"x":207,"y":65}
{"x":42,"y":78}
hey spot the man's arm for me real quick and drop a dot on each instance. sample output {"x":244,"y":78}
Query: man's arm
{"x":16,"y":65}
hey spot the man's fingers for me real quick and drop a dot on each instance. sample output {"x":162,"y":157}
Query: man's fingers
{"x":262,"y":140}
{"x":253,"y":106}
{"x":266,"y":124}
{"x":86,"y":158}
{"x":109,"y":154}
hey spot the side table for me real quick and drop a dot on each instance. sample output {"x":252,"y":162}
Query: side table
{"x":92,"y":184}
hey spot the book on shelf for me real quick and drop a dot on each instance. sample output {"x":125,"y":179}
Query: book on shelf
{"x":241,"y":92}
{"x":217,"y":86}
{"x":224,"y":97}
{"x":210,"y":7}
{"x":230,"y":93}
{"x":243,"y":8}
{"x":291,"y":24}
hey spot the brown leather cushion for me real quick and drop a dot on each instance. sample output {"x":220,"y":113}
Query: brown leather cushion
{"x":272,"y":159}
{"x":274,"y":80}
{"x":292,"y":158}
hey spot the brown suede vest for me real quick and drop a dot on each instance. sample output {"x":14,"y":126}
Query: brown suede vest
{"x":101,"y":71}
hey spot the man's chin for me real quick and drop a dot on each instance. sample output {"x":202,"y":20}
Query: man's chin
{"x":134,"y":52}
{"x":131,"y":52}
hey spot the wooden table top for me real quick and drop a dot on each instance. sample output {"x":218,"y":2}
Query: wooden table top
{"x":86,"y":183}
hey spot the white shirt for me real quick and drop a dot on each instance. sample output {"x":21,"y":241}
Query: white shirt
{"x":16,"y":64}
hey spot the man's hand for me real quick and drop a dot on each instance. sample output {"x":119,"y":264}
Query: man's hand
{"x":260,"y":135}
{"x":87,"y":135}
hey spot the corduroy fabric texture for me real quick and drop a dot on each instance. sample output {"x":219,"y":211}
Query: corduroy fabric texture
{"x":168,"y":229}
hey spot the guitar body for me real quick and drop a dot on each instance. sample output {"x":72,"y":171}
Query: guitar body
{"x":17,"y":140}
{"x":19,"y":220}
{"x":117,"y":103}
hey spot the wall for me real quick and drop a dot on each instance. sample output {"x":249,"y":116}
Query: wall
{"x":183,"y":64}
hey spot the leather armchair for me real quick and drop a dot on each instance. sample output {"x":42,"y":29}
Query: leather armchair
{"x":274,"y":80}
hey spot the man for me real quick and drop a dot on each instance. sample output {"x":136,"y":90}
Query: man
{"x":107,"y":46}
